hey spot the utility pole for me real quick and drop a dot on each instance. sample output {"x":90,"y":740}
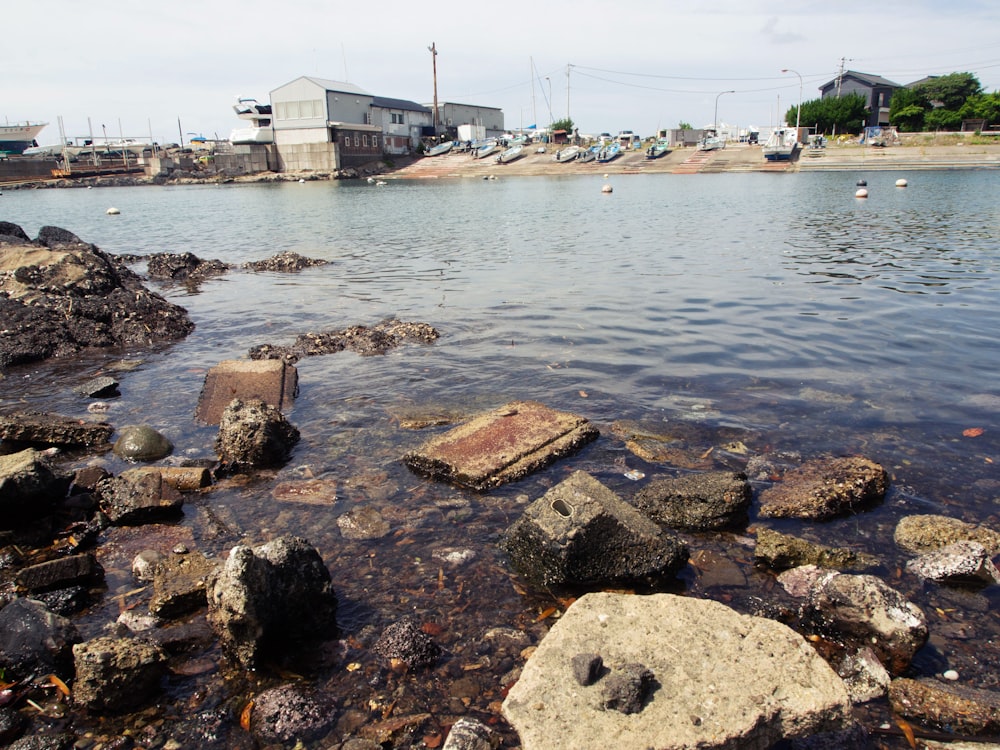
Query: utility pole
{"x":434,"y":55}
{"x":569,"y":67}
{"x":840,"y":76}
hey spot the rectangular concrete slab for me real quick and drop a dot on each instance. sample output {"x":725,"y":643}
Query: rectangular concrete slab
{"x":502,"y":445}
{"x":271,"y":380}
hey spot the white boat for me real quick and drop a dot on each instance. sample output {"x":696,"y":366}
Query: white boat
{"x":567,"y":154}
{"x":514,"y":152}
{"x":780,"y":144}
{"x":610,"y":152}
{"x":588,"y":154}
{"x":658,"y":149}
{"x":14,"y":139}
{"x":711,"y":141}
{"x":485,"y":148}
{"x":260,"y":131}
{"x":441,"y":148}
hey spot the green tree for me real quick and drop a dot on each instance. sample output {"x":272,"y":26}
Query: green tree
{"x":563,"y":124}
{"x":942,"y":119}
{"x":949,"y":91}
{"x":907,"y":110}
{"x":684,"y":125}
{"x":841,"y":114}
{"x":982,"y":106}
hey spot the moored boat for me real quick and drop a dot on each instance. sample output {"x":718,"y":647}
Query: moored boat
{"x":14,"y":139}
{"x":711,"y":141}
{"x":512,"y":153}
{"x":588,"y":154}
{"x":567,"y":154}
{"x":441,"y":148}
{"x":780,"y":144}
{"x":610,"y":152}
{"x":260,"y":131}
{"x":485,"y":149}
{"x":658,"y":149}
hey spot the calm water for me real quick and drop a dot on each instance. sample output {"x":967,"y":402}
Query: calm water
{"x":778,"y":309}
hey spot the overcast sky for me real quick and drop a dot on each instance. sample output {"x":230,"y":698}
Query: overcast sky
{"x":140,"y":68}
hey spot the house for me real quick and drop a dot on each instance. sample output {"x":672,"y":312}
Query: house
{"x":403,"y":123}
{"x":877,"y":92}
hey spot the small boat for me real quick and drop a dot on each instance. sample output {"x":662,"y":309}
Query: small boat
{"x":485,"y":149}
{"x":588,"y":154}
{"x":711,"y":141}
{"x":780,"y":144}
{"x":567,"y":154}
{"x":658,"y":149}
{"x":610,"y":152}
{"x":514,"y":152}
{"x":441,"y":148}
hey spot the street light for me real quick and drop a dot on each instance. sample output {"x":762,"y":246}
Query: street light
{"x":798,"y":110}
{"x":715,"y":120}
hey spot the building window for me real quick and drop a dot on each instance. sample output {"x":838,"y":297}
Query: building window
{"x":396,"y":118}
{"x":357,"y":141}
{"x":374,"y":141}
{"x":364,"y":141}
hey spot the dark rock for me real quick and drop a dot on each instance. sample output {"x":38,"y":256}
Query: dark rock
{"x":61,"y":572}
{"x":52,"y":429}
{"x":286,"y":262}
{"x":501,"y":446}
{"x":628,"y":689}
{"x":781,"y":551}
{"x":290,"y":713}
{"x":138,"y":497}
{"x":363,"y":340}
{"x":254,"y":435}
{"x":57,"y":236}
{"x":955,"y":708}
{"x":825,"y":488}
{"x":179,"y":585}
{"x":100,"y":387}
{"x":34,"y":639}
{"x":587,"y":668}
{"x":183,"y":267}
{"x":697,"y":502}
{"x":270,"y":598}
{"x":117,"y":674}
{"x":65,"y":601}
{"x":142,"y":443}
{"x":45,"y":741}
{"x":580,"y":532}
{"x":29,"y":487}
{"x":405,"y":642}
{"x":855,"y":737}
{"x":12,"y":723}
{"x":13,"y":231}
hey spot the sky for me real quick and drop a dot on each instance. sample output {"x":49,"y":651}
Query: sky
{"x":174,"y":70}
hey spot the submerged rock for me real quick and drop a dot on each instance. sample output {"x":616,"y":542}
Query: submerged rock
{"x":286,"y":262}
{"x":697,"y":502}
{"x":142,"y":443}
{"x":33,"y":639}
{"x":955,"y":708}
{"x":117,"y":674}
{"x":925,"y":533}
{"x":364,"y":340}
{"x":781,"y":551}
{"x":403,"y":641}
{"x":290,"y":713}
{"x":825,"y":488}
{"x":254,"y":435}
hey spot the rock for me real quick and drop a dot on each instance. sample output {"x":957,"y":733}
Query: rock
{"x":470,"y":734}
{"x":501,"y":446}
{"x":960,"y":562}
{"x":363,"y":340}
{"x":781,"y":551}
{"x":627,"y":689}
{"x":179,"y":585}
{"x":825,"y":488}
{"x":100,"y":387}
{"x":61,"y":572}
{"x":182,"y":267}
{"x":864,"y":675}
{"x":137,"y":497}
{"x":12,"y":723}
{"x":35,"y":640}
{"x":29,"y":487}
{"x":11,"y":232}
{"x":697,"y":502}
{"x":45,"y":741}
{"x":144,"y":565}
{"x":362,"y":523}
{"x":254,"y":435}
{"x":726,"y":680}
{"x":587,"y":668}
{"x":272,"y":381}
{"x":925,"y":533}
{"x":142,"y":443}
{"x":955,"y":708}
{"x":863,"y":610}
{"x":117,"y":674}
{"x":60,"y":295}
{"x":405,"y":642}
{"x":285,"y":262}
{"x":292,"y":713}
{"x":51,"y":429}
{"x":271,"y":598}
{"x":580,"y":532}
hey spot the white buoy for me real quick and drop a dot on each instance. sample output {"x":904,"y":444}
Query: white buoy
{"x":607,"y":189}
{"x":112,"y":211}
{"x":301,"y":179}
{"x":862,"y":193}
{"x":900,"y":182}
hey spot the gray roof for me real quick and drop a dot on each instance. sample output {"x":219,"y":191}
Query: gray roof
{"x":405,"y":104}
{"x":339,"y":86}
{"x":871,"y":80}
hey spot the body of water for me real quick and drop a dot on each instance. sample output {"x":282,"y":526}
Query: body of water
{"x":777,"y":310}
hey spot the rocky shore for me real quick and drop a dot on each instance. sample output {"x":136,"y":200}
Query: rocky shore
{"x":797,"y":668}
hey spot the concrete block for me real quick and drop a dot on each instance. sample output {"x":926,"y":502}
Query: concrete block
{"x":271,"y":380}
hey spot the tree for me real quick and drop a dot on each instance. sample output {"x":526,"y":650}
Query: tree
{"x":907,"y":110}
{"x":950,"y":91}
{"x":563,"y":124}
{"x":982,"y":107}
{"x":684,"y":125}
{"x":841,"y":114}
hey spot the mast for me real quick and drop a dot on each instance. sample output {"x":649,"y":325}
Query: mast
{"x":434,"y":55}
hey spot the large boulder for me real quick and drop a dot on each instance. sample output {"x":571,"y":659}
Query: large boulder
{"x":961,"y":709}
{"x":117,"y":674}
{"x":29,"y":487}
{"x":60,"y":295}
{"x":253,"y":434}
{"x":34,"y":639}
{"x":722,"y":679}
{"x":825,"y":488}
{"x":269,"y":598}
{"x":697,"y":502}
{"x":580,"y":532}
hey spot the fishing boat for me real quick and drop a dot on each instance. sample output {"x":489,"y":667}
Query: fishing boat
{"x":485,"y":148}
{"x":14,"y":139}
{"x":780,"y":144}
{"x":658,"y":149}
{"x":610,"y":152}
{"x":711,"y":141}
{"x":512,"y":153}
{"x":441,"y":148}
{"x":588,"y":154}
{"x":567,"y":154}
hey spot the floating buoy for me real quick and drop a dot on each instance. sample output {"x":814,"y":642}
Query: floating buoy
{"x":607,"y":189}
{"x":90,"y":187}
{"x":605,"y":175}
{"x":900,"y":182}
{"x":862,"y":193}
{"x":381,"y":182}
{"x":301,"y":179}
{"x":862,"y":183}
{"x":112,"y":211}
